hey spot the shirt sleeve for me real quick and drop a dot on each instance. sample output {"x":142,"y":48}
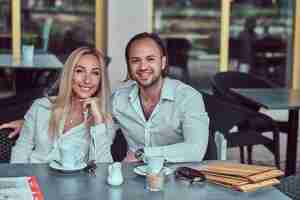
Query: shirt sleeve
{"x":23,"y":148}
{"x":116,"y":124}
{"x":101,"y":141}
{"x":195,"y":129}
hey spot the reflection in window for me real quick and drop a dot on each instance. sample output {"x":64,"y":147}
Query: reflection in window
{"x":5,"y":26}
{"x":58,"y":26}
{"x":260,"y":39}
{"x":191,"y":30}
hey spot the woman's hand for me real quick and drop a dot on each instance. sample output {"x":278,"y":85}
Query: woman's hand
{"x":15,"y":125}
{"x":90,"y":105}
{"x":130,"y":157}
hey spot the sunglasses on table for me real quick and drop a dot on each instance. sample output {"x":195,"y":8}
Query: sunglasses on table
{"x":189,"y":174}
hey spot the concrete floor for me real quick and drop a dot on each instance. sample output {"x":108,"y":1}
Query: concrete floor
{"x":262,"y":156}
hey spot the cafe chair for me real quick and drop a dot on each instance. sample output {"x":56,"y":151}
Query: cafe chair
{"x":6,"y":145}
{"x":222,"y":82}
{"x":224,"y":116}
{"x":290,"y":186}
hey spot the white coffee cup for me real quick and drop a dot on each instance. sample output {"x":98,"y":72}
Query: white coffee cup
{"x":155,"y":164}
{"x":68,"y":157}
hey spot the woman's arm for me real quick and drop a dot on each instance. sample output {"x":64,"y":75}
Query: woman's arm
{"x":195,"y":130}
{"x":24,"y":146}
{"x":16,"y":127}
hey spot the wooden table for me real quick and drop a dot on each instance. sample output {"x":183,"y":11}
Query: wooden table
{"x":271,"y":98}
{"x":40,"y":61}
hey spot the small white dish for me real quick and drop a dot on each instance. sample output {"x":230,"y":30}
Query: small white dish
{"x":56,"y":166}
{"x":142,"y":170}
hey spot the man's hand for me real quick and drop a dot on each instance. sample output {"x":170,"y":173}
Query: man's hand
{"x":15,"y":125}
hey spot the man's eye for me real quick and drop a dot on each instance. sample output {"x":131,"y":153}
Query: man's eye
{"x":151,"y":59}
{"x":134,"y":61}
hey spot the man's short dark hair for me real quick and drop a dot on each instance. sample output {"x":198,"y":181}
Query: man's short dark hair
{"x":158,"y":41}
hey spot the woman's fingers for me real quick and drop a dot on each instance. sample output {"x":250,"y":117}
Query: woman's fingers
{"x":15,"y":132}
{"x":86,"y":103}
{"x":15,"y":125}
{"x":91,"y":105}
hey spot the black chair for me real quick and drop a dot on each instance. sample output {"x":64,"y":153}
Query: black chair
{"x":5,"y":146}
{"x":223,"y":81}
{"x":224,"y":115}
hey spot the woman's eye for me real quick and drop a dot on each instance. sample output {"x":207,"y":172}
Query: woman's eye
{"x":78,"y":71}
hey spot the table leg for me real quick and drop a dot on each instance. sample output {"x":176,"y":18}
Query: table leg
{"x":291,"y":152}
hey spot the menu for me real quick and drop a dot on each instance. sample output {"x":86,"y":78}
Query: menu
{"x":20,"y":188}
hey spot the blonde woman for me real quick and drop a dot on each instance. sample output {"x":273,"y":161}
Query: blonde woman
{"x":78,"y":118}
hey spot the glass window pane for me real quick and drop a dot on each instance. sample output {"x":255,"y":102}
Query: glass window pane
{"x":6,"y":75}
{"x":261,"y":39}
{"x":57,"y":26}
{"x":5,"y":26}
{"x":191,"y":30}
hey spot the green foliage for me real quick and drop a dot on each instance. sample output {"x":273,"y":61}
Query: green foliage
{"x":29,"y":39}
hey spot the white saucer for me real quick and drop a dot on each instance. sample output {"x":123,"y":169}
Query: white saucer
{"x":142,"y":170}
{"x":56,"y":166}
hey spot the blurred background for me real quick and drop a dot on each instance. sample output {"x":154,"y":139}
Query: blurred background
{"x":259,"y":33}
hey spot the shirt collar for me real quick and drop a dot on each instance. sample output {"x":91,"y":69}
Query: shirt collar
{"x":167,"y":92}
{"x":133,"y":95}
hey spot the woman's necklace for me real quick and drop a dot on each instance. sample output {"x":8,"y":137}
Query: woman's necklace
{"x":70,"y":118}
{"x":73,"y":118}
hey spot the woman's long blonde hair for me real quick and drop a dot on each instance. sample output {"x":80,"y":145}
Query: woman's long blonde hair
{"x":62,"y":103}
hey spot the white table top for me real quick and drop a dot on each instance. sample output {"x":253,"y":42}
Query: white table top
{"x":40,"y":61}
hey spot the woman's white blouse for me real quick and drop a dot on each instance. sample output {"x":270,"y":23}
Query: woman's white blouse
{"x":36,"y":146}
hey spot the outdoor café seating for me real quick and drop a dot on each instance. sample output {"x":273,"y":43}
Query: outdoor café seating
{"x":222,"y":82}
{"x":258,"y":122}
{"x":226,"y":115}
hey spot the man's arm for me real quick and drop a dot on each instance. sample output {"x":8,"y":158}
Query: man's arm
{"x":195,"y":128}
{"x":16,"y":126}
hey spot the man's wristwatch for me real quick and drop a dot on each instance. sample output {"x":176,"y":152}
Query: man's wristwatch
{"x":139,"y":154}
